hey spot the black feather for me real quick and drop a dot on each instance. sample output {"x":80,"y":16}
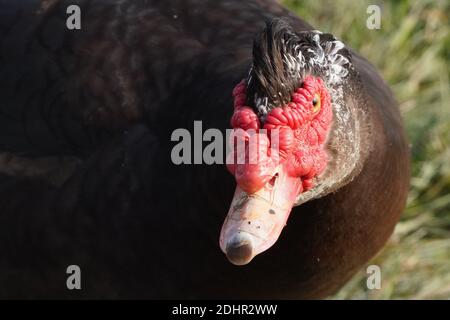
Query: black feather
{"x":272,"y":80}
{"x":269,"y":75}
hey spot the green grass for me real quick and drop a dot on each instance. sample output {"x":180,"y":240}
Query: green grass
{"x":412,"y":52}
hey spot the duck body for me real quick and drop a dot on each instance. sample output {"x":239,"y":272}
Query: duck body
{"x":86,"y":176}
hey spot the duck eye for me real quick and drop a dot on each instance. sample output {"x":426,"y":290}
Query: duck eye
{"x":316,"y":103}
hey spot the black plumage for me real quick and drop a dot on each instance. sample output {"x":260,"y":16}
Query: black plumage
{"x":85,"y":171}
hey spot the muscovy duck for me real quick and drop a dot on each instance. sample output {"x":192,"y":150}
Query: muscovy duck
{"x":87,"y":179}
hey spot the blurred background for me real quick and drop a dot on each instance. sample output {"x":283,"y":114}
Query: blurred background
{"x":412,"y":52}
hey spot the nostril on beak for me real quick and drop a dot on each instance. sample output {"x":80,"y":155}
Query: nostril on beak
{"x":239,"y":250}
{"x":273,"y":180}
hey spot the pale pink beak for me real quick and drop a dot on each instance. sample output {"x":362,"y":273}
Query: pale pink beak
{"x":255,"y":221}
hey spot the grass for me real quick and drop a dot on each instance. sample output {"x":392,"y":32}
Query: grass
{"x":412,"y":52}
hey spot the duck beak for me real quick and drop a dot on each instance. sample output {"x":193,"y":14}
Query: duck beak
{"x":255,"y":220}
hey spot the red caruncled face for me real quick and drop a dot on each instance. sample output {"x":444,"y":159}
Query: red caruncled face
{"x":303,"y":126}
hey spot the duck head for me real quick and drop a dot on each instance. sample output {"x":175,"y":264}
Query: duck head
{"x":295,"y":134}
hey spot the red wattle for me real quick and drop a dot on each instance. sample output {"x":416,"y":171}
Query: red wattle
{"x":245,"y":118}
{"x":293,"y":136}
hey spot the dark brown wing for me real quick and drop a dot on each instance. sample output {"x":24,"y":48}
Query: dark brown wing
{"x":64,"y":90}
